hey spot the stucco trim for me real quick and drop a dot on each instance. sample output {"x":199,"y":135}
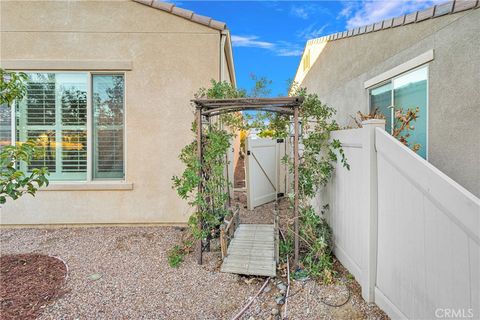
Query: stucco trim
{"x":88,"y":186}
{"x":404,"y":67}
{"x":91,"y":65}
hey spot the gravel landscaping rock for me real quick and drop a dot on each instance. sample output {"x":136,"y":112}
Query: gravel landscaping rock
{"x":136,"y":281}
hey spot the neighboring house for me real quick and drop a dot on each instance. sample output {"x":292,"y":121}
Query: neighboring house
{"x":110,"y":84}
{"x":428,"y":59}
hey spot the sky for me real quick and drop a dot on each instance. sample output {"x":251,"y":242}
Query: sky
{"x":269,"y":36}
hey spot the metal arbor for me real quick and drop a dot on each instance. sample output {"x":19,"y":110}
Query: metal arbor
{"x":283,"y":105}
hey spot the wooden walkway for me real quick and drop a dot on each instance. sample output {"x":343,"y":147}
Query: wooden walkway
{"x":252,"y":251}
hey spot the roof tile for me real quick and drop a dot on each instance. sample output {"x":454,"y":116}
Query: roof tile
{"x":201,"y":19}
{"x":418,"y":16}
{"x":425,"y":14}
{"x":387,"y":23}
{"x":187,"y":14}
{"x":182,"y":12}
{"x":398,"y":21}
{"x":145,"y":2}
{"x":218,"y":24}
{"x":410,"y":18}
{"x":165,"y":6}
{"x":443,"y":9}
{"x":461,"y":5}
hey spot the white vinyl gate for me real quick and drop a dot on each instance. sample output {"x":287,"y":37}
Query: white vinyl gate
{"x":261,"y":171}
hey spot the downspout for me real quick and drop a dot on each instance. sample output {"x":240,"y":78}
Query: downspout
{"x":226,"y":64}
{"x":223,"y":40}
{"x":226,"y":52}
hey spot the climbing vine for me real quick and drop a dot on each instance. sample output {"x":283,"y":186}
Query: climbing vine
{"x":316,"y":166}
{"x":212,"y":203}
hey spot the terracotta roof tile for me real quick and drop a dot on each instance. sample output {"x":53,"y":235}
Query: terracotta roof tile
{"x":378,"y":26}
{"x":186,"y":14}
{"x":410,"y":18}
{"x":461,"y":5}
{"x":398,"y":21}
{"x":165,"y":6}
{"x":442,"y":9}
{"x":387,"y":23}
{"x":182,"y":13}
{"x":425,"y":14}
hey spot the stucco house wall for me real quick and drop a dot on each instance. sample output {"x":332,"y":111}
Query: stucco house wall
{"x":340,"y":68}
{"x":166,"y":59}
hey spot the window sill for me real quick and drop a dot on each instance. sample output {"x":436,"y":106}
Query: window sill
{"x":88,"y":186}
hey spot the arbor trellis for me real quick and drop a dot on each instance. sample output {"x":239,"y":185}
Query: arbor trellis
{"x":207,"y":108}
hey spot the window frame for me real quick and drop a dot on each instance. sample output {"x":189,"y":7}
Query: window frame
{"x":390,"y":80}
{"x":89,"y":125}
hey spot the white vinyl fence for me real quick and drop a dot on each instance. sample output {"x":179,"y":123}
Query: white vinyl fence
{"x":407,"y":232}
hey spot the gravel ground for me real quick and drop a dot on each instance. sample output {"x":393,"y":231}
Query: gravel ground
{"x":123,"y":273}
{"x":263,"y":214}
{"x":136,"y":281}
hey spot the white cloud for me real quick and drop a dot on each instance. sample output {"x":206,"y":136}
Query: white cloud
{"x":288,"y":49}
{"x":312,"y":31}
{"x":280,"y":48}
{"x":300,"y":12}
{"x":251,"y":42}
{"x":307,"y":10}
{"x":366,"y":12}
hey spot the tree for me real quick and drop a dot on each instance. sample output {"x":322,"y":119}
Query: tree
{"x":14,"y":182}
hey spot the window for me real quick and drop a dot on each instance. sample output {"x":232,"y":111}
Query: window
{"x":409,"y":90}
{"x":56,"y":112}
{"x":5,"y":125}
{"x":108,"y":126}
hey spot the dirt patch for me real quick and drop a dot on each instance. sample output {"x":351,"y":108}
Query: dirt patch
{"x":28,"y":282}
{"x":239,"y":175}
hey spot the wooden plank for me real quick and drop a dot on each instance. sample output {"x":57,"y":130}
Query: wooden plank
{"x":251,"y":251}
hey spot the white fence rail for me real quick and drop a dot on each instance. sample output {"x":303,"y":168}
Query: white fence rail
{"x":406,"y":231}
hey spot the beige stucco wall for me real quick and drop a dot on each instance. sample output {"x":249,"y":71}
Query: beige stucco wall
{"x":170,"y":57}
{"x":342,"y":67}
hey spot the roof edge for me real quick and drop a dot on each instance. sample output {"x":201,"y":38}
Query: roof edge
{"x":229,"y":56}
{"x":432,"y":12}
{"x":184,"y":13}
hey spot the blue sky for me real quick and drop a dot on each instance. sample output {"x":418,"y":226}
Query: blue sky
{"x":269,"y":36}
